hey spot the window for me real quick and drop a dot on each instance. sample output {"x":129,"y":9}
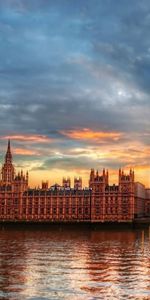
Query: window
{"x":42,"y":211}
{"x":80,"y":210}
{"x":36,"y":211}
{"x":30,"y":211}
{"x":73,"y":210}
{"x":60,"y":210}
{"x":67,"y":210}
{"x":16,"y":201}
{"x":24,"y":202}
{"x":86,"y":210}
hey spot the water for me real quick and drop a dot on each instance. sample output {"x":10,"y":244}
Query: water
{"x":74,"y":264}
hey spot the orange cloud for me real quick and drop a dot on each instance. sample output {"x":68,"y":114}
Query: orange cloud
{"x":28,"y":138}
{"x":21,"y":151}
{"x":90,"y":134}
{"x":131,"y":155}
{"x":142,"y":168}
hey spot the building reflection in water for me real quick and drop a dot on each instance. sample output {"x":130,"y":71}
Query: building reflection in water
{"x":119,"y":268}
{"x":73,"y":264}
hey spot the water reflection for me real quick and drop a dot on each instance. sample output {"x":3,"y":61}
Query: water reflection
{"x":73,"y":264}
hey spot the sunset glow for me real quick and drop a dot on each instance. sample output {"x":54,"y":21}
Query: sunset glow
{"x":75,"y":149}
{"x":86,"y":134}
{"x":74,"y":89}
{"x":27,"y":138}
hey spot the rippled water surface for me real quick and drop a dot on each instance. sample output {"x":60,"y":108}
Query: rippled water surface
{"x":74,"y":264}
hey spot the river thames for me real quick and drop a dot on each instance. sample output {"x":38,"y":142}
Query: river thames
{"x":74,"y":264}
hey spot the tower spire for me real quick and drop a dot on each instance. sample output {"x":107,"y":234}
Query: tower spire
{"x":8,"y":156}
{"x":8,"y":148}
{"x":8,"y":168}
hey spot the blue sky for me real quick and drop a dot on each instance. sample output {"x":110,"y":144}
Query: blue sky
{"x":74,"y":85}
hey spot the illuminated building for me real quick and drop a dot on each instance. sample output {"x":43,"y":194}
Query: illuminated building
{"x":100,"y":202}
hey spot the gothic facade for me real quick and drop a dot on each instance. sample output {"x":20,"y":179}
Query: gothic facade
{"x":100,"y":202}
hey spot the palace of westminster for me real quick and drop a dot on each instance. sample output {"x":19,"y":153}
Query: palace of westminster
{"x":100,"y":202}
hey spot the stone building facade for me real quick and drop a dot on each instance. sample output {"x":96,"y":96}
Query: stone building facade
{"x":100,"y":202}
{"x":140,"y":200}
{"x":147,"y":203}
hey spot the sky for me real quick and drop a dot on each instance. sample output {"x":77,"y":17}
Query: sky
{"x":75,"y":87}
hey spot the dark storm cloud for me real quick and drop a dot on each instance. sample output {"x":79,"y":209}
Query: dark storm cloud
{"x":69,"y":65}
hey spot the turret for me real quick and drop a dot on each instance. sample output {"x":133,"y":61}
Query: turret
{"x":66,"y":182}
{"x":126,"y":178}
{"x":92,"y":175}
{"x":78,"y":183}
{"x":44,"y":185}
{"x":107,"y":177}
{"x":27,"y":177}
{"x":126,"y":181}
{"x":98,"y":182}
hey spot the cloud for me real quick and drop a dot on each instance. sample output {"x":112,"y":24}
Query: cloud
{"x":88,"y":134}
{"x":27,"y":138}
{"x":25,"y":152}
{"x":75,"y":75}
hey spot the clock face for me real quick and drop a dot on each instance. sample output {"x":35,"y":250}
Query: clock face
{"x":125,"y":189}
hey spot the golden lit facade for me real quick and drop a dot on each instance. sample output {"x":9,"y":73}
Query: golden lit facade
{"x":100,"y":202}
